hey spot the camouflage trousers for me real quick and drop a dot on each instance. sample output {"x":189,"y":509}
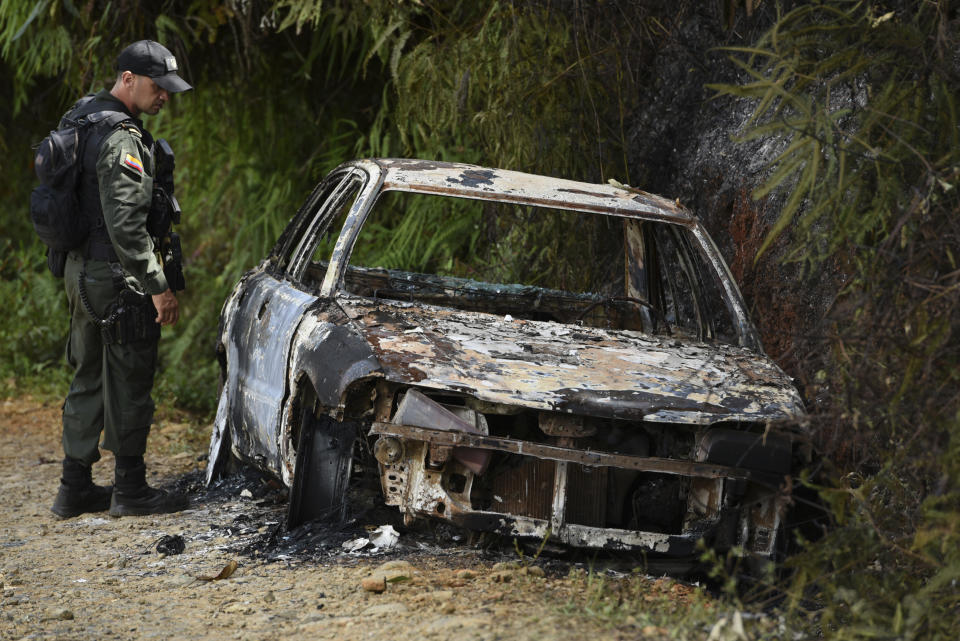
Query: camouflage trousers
{"x":110,"y":392}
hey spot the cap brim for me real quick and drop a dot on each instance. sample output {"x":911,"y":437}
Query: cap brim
{"x":172,"y":83}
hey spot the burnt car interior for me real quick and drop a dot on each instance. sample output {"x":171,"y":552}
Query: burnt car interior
{"x":662,"y":289}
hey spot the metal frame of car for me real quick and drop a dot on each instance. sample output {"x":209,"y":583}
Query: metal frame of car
{"x":735,"y":495}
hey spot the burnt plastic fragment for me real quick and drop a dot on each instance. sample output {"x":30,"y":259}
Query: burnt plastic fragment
{"x":170,"y":544}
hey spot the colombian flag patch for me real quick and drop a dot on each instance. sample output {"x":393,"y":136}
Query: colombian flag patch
{"x":134,"y":163}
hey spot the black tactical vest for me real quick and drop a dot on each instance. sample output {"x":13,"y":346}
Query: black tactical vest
{"x":98,"y":243}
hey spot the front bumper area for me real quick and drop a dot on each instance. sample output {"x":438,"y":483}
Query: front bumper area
{"x":541,"y":491}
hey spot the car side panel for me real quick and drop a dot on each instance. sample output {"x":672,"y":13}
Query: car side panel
{"x":258,"y":347}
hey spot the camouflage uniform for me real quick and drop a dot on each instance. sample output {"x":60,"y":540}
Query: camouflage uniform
{"x":112,"y":382}
{"x":110,"y":280}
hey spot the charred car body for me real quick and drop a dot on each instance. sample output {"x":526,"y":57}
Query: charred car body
{"x":603,"y":388}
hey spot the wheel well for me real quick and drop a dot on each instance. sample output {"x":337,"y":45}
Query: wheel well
{"x":304,"y":398}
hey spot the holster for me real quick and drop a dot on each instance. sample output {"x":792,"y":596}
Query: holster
{"x":135,"y":320}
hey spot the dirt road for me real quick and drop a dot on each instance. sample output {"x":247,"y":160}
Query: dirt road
{"x":94,"y":577}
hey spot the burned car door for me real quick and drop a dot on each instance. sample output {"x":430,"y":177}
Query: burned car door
{"x":266,"y":317}
{"x":316,"y":451}
{"x":259,"y":322}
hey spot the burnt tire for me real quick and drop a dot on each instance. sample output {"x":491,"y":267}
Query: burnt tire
{"x":323,"y":465}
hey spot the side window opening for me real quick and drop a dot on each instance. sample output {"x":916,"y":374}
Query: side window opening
{"x":310,"y":260}
{"x":292,"y":238}
{"x":686,"y":293}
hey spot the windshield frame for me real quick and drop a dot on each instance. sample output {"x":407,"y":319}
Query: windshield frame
{"x":375,"y":186}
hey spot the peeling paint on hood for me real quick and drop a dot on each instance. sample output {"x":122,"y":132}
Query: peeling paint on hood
{"x":551,"y":366}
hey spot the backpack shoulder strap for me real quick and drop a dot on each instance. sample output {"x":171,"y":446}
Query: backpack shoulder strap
{"x":102,"y":123}
{"x":88,"y":105}
{"x":106,"y":118}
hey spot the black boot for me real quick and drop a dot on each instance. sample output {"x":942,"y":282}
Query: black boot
{"x":133,"y":497}
{"x":78,"y":494}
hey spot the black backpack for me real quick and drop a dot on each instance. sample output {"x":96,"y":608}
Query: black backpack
{"x":54,"y":204}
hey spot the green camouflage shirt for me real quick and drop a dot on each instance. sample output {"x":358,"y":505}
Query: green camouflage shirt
{"x":125,"y":174}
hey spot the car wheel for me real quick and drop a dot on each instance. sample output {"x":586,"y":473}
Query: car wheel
{"x":323,"y":464}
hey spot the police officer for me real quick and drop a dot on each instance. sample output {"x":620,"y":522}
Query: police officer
{"x":117,"y":268}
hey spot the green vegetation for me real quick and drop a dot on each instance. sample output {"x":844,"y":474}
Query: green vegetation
{"x":863,"y":95}
{"x":493,"y":242}
{"x":285,"y":92}
{"x":31,"y":338}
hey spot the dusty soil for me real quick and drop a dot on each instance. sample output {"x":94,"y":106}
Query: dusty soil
{"x":95,"y":577}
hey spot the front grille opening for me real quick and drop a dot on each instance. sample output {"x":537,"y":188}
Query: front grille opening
{"x":658,"y":502}
{"x":514,"y":484}
{"x":633,"y":438}
{"x":603,"y":497}
{"x":456,"y":483}
{"x":522,"y":425}
{"x":625,"y":499}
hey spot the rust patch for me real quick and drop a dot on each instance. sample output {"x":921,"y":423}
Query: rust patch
{"x":525,"y":490}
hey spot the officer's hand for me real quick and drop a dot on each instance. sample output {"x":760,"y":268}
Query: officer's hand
{"x":168,"y":309}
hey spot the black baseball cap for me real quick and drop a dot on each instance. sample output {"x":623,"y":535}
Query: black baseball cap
{"x":152,"y":59}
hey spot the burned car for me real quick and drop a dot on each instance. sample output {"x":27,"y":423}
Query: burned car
{"x":530,"y":356}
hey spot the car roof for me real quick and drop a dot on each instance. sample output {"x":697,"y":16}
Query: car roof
{"x":472,"y":181}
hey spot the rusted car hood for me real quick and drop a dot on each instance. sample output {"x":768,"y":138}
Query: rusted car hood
{"x":551,"y":366}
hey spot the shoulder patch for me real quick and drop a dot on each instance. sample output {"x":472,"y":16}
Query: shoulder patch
{"x":133,"y":162}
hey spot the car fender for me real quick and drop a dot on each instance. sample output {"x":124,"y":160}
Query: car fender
{"x":328,"y":355}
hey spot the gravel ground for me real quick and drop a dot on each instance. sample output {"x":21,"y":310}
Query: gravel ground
{"x":241,"y":575}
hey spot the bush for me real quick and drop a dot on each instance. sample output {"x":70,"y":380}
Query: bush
{"x":866,"y":98}
{"x":34,"y":326}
